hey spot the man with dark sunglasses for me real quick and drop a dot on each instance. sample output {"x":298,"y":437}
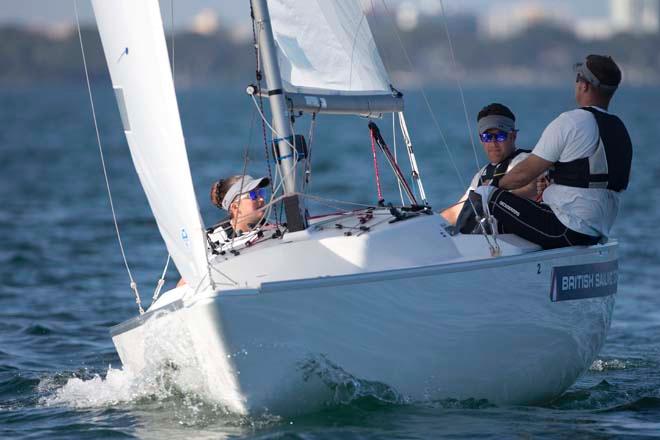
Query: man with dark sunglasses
{"x":588,"y":152}
{"x":497,"y":132}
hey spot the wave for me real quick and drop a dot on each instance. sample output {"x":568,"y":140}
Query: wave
{"x":640,"y":405}
{"x":168,"y":396}
{"x":607,"y":365}
{"x":115,"y":387}
{"x":346,"y":388}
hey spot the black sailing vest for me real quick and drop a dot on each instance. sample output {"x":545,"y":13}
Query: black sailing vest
{"x":466,"y":222}
{"x":493,"y":173}
{"x":609,"y":166}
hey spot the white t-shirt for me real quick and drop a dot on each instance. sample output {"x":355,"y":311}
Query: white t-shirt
{"x":475,"y":180}
{"x":574,"y":135}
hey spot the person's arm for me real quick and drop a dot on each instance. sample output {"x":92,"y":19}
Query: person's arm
{"x":528,"y":191}
{"x":546,"y":152}
{"x":451,"y":214}
{"x":525,"y":172}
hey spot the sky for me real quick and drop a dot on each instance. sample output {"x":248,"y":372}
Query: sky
{"x":60,"y":12}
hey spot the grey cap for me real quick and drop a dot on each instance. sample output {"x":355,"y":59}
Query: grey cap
{"x":247,"y":183}
{"x":583,"y":70}
{"x":496,"y":121}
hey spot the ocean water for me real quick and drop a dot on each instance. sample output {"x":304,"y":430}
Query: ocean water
{"x":63,"y":284}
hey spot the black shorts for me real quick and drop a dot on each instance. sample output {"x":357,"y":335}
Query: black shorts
{"x":534,"y":222}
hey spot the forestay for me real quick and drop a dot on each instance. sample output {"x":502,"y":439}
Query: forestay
{"x":326,"y":47}
{"x":136,"y":54}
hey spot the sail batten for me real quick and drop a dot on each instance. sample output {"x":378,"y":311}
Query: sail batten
{"x":325,"y":47}
{"x":136,"y":53}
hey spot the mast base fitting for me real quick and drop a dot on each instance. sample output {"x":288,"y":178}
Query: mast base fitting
{"x":294,"y":218}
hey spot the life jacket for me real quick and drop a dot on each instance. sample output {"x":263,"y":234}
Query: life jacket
{"x":608,"y":167}
{"x":466,"y":223}
{"x":492,"y":173}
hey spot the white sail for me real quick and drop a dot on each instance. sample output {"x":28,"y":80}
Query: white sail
{"x":326,"y":47}
{"x":136,"y":53}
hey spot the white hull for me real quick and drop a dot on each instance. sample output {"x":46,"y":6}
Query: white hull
{"x":484,"y":329}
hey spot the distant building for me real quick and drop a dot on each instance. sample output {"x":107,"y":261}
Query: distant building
{"x":594,"y":28}
{"x":507,"y":22}
{"x":635,"y":16}
{"x":206,"y":22}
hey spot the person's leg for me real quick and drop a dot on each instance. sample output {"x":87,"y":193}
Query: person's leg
{"x":533,"y":221}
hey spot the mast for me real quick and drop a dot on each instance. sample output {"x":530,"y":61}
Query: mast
{"x":286,"y":155}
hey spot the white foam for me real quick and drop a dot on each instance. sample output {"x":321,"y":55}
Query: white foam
{"x":614,"y":364}
{"x":118,"y":386}
{"x":176,"y":405}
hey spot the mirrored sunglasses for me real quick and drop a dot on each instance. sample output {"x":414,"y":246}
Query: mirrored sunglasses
{"x":255,"y":194}
{"x":500,"y":136}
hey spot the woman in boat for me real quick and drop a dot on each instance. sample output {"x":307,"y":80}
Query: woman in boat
{"x":243,"y":198}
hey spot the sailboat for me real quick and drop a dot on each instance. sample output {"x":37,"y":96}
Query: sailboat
{"x":381,"y":300}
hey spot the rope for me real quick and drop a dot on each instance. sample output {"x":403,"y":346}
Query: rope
{"x":395,"y":157}
{"x":161,"y":281}
{"x":308,"y":164}
{"x":458,"y":83}
{"x":417,"y":177}
{"x":375,"y":132}
{"x":224,"y":275}
{"x":263,"y":118}
{"x":133,"y":284}
{"x":373,"y":152}
{"x":324,"y":199}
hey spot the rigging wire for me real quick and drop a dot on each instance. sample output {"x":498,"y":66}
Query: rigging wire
{"x":494,"y":247}
{"x":255,"y":40}
{"x":458,"y":82}
{"x":161,"y":281}
{"x":376,"y":171}
{"x":246,"y":160}
{"x":296,"y":159}
{"x":427,"y":102}
{"x":307,"y":177}
{"x":133,"y":284}
{"x":263,"y":118}
{"x":395,"y":157}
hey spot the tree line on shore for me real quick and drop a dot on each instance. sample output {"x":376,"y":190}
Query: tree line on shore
{"x":540,"y":54}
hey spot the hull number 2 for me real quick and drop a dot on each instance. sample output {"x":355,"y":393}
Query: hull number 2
{"x":584,"y":281}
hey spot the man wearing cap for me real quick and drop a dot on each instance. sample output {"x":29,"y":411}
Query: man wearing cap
{"x":588,"y":152}
{"x":243,"y":198}
{"x":497,"y":133}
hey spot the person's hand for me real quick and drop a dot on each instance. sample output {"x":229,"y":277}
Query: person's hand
{"x":542,"y":183}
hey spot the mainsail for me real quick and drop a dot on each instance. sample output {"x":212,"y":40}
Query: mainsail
{"x":326,"y":50}
{"x":136,"y":54}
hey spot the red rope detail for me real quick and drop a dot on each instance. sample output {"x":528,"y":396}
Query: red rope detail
{"x":373,"y":151}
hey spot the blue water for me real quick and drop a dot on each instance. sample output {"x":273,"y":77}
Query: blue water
{"x":63,"y":284}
